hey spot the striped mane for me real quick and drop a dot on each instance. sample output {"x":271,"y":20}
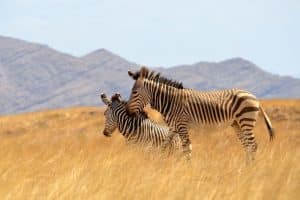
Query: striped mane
{"x":158,"y":78}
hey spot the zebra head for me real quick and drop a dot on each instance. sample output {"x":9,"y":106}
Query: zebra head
{"x":110,"y":117}
{"x":139,"y":97}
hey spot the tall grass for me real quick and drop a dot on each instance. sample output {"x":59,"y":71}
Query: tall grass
{"x":62,"y":154}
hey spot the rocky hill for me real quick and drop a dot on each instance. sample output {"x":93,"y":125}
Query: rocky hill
{"x":35,"y":76}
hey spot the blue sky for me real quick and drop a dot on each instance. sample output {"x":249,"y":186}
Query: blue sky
{"x":164,"y":33}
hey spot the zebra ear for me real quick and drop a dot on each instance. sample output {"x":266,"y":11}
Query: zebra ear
{"x":119,"y":96}
{"x":116,"y":97}
{"x":130,"y":73}
{"x":134,"y":76}
{"x":144,"y":71}
{"x":104,"y":99}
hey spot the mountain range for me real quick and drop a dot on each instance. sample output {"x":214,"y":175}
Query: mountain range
{"x":35,"y":77}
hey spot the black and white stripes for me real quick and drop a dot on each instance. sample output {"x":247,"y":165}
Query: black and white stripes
{"x":137,"y":129}
{"x":182,"y":107}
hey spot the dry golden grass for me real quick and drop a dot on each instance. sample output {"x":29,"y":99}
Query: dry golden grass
{"x":62,"y":154}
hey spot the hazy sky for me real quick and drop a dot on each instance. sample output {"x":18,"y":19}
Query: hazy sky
{"x":164,"y":32}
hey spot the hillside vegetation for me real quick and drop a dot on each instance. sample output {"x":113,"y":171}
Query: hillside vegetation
{"x":62,"y":154}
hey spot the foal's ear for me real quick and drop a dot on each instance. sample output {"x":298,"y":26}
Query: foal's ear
{"x":134,"y":76}
{"x":104,"y":99}
{"x":116,"y":97}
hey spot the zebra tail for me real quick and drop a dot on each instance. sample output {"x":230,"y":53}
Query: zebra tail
{"x":268,"y":123}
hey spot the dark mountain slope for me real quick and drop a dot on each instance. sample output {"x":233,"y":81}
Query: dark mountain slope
{"x":34,"y":77}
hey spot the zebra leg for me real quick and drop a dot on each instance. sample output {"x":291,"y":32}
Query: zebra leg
{"x":168,"y":140}
{"x":246,"y":136}
{"x":251,"y":145}
{"x":186,"y":143}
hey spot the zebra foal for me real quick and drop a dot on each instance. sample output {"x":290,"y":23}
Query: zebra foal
{"x":137,"y":129}
{"x":183,"y":107}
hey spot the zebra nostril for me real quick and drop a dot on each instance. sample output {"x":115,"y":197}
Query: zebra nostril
{"x":106,"y":133}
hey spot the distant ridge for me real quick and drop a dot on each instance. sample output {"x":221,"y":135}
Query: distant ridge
{"x":35,"y":76}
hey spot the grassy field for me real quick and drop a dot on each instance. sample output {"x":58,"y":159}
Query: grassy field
{"x":62,"y":154}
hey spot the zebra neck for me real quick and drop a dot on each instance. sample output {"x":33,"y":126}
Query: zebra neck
{"x":162,"y":96}
{"x":127,"y":124}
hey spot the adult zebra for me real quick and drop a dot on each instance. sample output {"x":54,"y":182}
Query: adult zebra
{"x":183,"y":107}
{"x":136,"y":129}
